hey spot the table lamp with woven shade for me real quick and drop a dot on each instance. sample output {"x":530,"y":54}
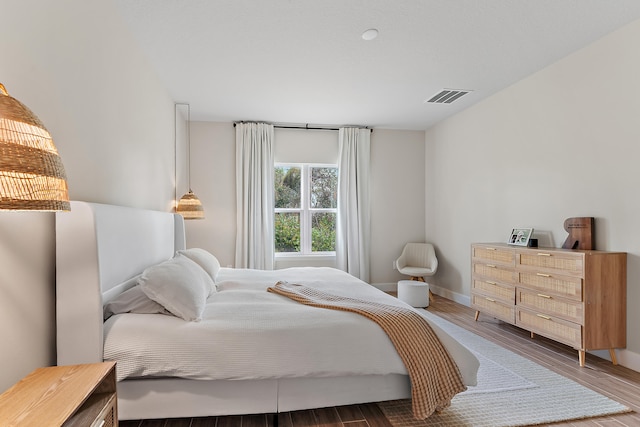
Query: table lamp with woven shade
{"x":189,"y":206}
{"x":32,"y":176}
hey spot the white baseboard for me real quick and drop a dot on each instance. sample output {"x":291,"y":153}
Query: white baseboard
{"x":437,"y":290}
{"x":629,"y":359}
{"x":450,"y":295}
{"x":386,"y":287}
{"x":625,"y":357}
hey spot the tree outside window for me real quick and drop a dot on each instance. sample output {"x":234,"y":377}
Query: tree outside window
{"x":305,"y":208}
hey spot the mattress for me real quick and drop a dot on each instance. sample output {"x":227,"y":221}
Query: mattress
{"x":249,"y":333}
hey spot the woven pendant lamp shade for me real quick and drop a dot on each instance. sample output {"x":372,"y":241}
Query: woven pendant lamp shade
{"x":190,"y":206}
{"x":32,"y":176}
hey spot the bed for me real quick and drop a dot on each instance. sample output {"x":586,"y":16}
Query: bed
{"x":269,"y":354}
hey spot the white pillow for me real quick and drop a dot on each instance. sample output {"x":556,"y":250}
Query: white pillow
{"x":180,"y":285}
{"x":204,"y":259}
{"x":133,"y":300}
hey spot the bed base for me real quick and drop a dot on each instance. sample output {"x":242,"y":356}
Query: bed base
{"x":178,"y":398}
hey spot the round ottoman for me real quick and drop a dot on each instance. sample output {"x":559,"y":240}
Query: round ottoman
{"x":414,"y":293}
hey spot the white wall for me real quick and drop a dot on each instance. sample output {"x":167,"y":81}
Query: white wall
{"x":559,"y":144}
{"x":305,"y":146}
{"x":213,"y":174}
{"x":74,"y":65}
{"x":397,"y":199}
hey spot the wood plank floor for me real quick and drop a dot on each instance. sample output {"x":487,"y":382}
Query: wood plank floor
{"x":618,"y":383}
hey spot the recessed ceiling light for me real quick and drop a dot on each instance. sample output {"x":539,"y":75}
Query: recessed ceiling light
{"x":370,"y":34}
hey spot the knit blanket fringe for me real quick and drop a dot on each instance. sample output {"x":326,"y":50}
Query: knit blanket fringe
{"x":435,"y":377}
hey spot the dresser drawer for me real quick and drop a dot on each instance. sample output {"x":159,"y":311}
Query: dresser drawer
{"x":493,"y":255}
{"x":572,"y":311}
{"x":568,"y":263}
{"x":493,"y":272}
{"x":565,"y":286}
{"x":506,"y":293}
{"x":552,"y":327}
{"x":494,"y":307}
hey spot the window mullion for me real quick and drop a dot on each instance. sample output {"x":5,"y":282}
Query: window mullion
{"x":305,"y":230}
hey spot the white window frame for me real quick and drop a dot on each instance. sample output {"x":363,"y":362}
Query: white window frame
{"x":305,"y":211}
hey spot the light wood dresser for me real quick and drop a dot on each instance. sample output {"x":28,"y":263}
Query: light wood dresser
{"x":69,"y":396}
{"x":576,"y":297}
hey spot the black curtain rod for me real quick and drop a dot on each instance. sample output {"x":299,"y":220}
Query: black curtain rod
{"x":305,"y":127}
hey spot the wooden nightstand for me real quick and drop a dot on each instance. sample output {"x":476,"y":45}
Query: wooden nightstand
{"x":76,"y":395}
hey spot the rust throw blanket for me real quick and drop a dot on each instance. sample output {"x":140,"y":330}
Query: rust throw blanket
{"x":435,"y":378}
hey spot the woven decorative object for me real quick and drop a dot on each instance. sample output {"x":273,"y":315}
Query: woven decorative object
{"x":190,"y":206}
{"x":32,"y":176}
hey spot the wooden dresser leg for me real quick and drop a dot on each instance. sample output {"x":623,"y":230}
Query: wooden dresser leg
{"x":477,"y":315}
{"x":581,"y":354}
{"x":612,"y":353}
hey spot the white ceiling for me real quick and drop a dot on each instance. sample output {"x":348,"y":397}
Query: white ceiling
{"x":304,"y":61}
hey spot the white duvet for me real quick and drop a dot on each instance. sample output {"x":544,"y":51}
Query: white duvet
{"x":249,"y":333}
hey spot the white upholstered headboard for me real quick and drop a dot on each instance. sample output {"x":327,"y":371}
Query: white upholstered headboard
{"x":98,"y":247}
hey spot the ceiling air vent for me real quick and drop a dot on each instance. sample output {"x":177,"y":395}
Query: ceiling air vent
{"x":447,"y":96}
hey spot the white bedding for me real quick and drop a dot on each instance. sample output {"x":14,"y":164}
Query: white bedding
{"x":248,"y":333}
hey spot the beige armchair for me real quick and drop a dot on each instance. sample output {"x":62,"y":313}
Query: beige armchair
{"x":417,"y":261}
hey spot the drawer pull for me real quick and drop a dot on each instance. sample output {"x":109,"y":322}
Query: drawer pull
{"x":490,"y":299}
{"x":543,"y":275}
{"x":490,"y":249}
{"x":543,"y":316}
{"x":543,"y":254}
{"x":544,"y":296}
{"x":491,"y":283}
{"x":491,"y":265}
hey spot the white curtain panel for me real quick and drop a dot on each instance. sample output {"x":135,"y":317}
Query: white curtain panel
{"x":254,"y":196}
{"x":353,"y":219}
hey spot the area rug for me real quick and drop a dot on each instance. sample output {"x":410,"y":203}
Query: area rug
{"x":511,"y":391}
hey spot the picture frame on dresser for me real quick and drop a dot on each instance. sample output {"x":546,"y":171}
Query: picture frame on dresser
{"x":520,"y":236}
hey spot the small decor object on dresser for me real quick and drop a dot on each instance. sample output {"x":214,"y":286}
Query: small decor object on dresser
{"x":520,"y":236}
{"x":581,"y":233}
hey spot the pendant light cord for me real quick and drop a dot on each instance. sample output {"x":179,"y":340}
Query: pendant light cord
{"x":189,"y":144}
{"x":175,"y":162}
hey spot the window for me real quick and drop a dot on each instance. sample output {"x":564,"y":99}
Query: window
{"x":306,"y":197}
